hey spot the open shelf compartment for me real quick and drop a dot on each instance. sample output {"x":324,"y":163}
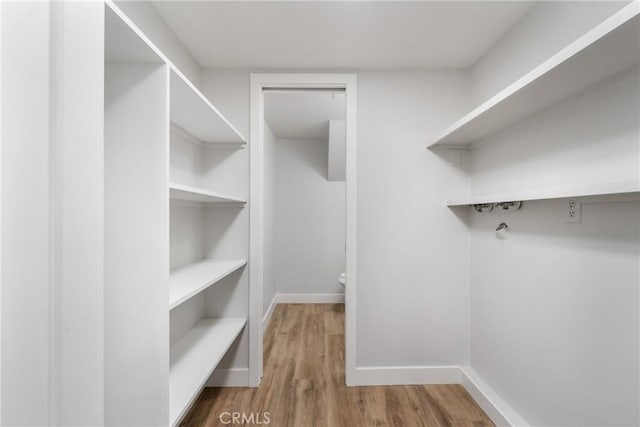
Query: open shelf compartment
{"x":194,"y":278}
{"x":606,"y":50}
{"x":192,"y":113}
{"x":194,"y":358}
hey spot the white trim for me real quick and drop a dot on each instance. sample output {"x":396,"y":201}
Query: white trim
{"x":406,"y":375}
{"x":496,"y":408}
{"x":267,"y":316}
{"x":256,"y":201}
{"x":234,"y":377}
{"x":309,"y":298}
{"x":1,"y":233}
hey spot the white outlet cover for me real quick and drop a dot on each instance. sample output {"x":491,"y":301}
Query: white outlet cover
{"x":573,"y":212}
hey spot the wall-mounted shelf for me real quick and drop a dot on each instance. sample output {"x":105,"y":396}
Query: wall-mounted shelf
{"x":192,"y":112}
{"x":631,"y":187}
{"x":194,"y":358}
{"x":193,"y":194}
{"x":605,"y":51}
{"x":194,"y":278}
{"x":177,"y":130}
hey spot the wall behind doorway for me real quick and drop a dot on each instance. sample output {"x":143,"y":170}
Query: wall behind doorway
{"x":309,"y":220}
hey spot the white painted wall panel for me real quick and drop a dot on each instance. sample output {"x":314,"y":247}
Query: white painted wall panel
{"x":136,"y":247}
{"x":554,"y":312}
{"x":187,"y":235}
{"x":25,"y":200}
{"x":309,"y":220}
{"x":147,"y":18}
{"x":413,"y":277}
{"x":78,"y":147}
{"x":337,"y":151}
{"x":186,"y":161}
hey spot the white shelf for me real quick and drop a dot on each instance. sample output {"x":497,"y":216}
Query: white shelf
{"x":631,"y":187}
{"x":177,"y":130}
{"x":190,"y":109}
{"x":193,"y":194}
{"x":606,"y":50}
{"x":194,"y":358}
{"x":192,"y":112}
{"x":194,"y":278}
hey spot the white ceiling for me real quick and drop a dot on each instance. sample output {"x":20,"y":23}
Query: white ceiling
{"x":301,"y":35}
{"x":303,"y":114}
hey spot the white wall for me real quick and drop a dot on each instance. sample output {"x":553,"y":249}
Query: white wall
{"x":413,"y":262}
{"x":25,"y":195}
{"x":147,"y":18}
{"x":51,"y":336}
{"x":270,"y":213}
{"x":136,"y":255}
{"x":309,"y":219}
{"x":547,"y":28}
{"x":78,"y":157}
{"x":555,"y":308}
{"x":337,"y":168}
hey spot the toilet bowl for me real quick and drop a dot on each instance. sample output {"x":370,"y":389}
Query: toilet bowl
{"x":342,"y":280}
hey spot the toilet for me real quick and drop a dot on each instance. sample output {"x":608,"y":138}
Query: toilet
{"x":342,"y":280}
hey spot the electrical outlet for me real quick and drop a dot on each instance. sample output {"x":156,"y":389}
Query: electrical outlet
{"x":573,"y":212}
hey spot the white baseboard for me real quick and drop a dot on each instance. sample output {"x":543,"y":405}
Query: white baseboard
{"x":496,"y":408}
{"x":267,"y":316}
{"x":406,"y":375}
{"x":310,"y":298}
{"x":234,"y":377}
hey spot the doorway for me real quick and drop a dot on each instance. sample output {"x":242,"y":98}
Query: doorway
{"x":345,"y":85}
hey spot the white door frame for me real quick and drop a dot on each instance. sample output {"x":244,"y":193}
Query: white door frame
{"x":259,"y":82}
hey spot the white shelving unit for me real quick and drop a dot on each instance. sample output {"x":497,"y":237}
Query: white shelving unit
{"x":194,"y":114}
{"x":193,"y":194}
{"x":602,"y":189}
{"x":603,"y":52}
{"x":199,"y":349}
{"x":162,"y":98}
{"x":194,"y":358}
{"x":194,"y":278}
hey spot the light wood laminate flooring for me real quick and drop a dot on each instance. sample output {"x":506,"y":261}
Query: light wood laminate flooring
{"x":303,"y":385}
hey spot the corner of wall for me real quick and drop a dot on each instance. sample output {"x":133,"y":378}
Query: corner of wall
{"x":495,"y":408}
{"x":151,"y":22}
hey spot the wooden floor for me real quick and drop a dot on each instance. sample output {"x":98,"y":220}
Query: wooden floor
{"x":303,"y":384}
